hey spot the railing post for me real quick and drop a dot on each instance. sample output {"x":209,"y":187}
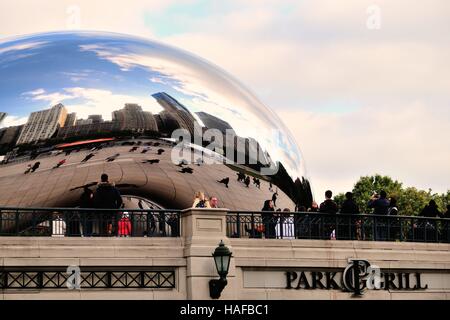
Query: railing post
{"x":203,"y":229}
{"x":238,"y":225}
{"x":17,"y":222}
{"x":375,"y":229}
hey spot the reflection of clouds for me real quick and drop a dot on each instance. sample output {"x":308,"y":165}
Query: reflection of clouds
{"x":203,"y":87}
{"x":87,"y":101}
{"x":21,"y":46}
{"x":10,"y":121}
{"x":77,"y":76}
{"x":16,"y":52}
{"x":42,"y":95}
{"x":157,"y":80}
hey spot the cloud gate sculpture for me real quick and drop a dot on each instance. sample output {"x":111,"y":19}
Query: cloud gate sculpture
{"x":162,"y":123}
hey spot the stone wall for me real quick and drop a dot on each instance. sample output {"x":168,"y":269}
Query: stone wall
{"x":257,"y":271}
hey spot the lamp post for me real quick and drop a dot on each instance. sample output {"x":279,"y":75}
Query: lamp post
{"x":222,"y":258}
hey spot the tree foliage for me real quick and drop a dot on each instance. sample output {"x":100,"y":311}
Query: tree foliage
{"x":410,"y":200}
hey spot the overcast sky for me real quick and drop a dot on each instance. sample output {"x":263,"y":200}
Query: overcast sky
{"x":364,"y":86}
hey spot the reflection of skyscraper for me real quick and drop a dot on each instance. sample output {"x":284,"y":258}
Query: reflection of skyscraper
{"x":8,"y":136}
{"x":82,"y":122}
{"x":2,"y":116}
{"x":175,"y":111}
{"x":212,"y":122}
{"x":96,"y":118}
{"x":86,"y":129}
{"x":131,"y":117}
{"x":168,"y":122}
{"x":42,"y":125}
{"x":71,"y":119}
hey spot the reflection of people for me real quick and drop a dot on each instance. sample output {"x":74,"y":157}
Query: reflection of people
{"x":107,"y":197}
{"x":35,"y":166}
{"x":60,"y":163}
{"x":89,"y":156}
{"x":28,"y":169}
{"x":247,"y":181}
{"x":113,"y":157}
{"x":274,"y":198}
{"x":225,"y":181}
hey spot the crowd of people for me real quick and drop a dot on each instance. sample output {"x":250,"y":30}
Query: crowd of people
{"x":116,"y":221}
{"x":284,"y":224}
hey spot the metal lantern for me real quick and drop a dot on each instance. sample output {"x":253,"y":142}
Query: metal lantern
{"x":222,"y":258}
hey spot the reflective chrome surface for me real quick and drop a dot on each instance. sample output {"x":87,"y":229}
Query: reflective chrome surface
{"x":95,"y":75}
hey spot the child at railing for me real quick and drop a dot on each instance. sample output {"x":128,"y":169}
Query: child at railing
{"x":124,"y":225}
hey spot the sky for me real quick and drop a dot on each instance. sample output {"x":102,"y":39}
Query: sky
{"x":364,"y":86}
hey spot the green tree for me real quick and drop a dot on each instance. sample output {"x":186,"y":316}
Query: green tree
{"x":339,"y":199}
{"x":410,"y":200}
{"x":367,"y":186}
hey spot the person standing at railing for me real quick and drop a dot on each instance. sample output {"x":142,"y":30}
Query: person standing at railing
{"x":268,"y":219}
{"x":200,"y":201}
{"x":328,"y":206}
{"x":380,"y":205}
{"x":124,"y":225}
{"x":214,"y":202}
{"x":87,"y":201}
{"x":107,"y":196}
{"x":350,"y":207}
{"x":431,"y":210}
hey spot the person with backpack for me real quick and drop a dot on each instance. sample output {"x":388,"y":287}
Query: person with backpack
{"x":107,"y":196}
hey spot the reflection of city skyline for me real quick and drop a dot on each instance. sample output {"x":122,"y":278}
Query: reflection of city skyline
{"x":57,"y":124}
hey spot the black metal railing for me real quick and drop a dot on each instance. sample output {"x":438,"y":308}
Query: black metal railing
{"x":73,"y":222}
{"x":308,"y":225}
{"x":89,"y":278}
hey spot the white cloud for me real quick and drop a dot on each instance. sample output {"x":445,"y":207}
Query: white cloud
{"x":405,"y":142}
{"x":87,"y":101}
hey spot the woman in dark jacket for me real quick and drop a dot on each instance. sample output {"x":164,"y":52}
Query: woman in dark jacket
{"x":268,"y":219}
{"x":429,"y":226}
{"x":430,"y":210}
{"x":349,"y":207}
